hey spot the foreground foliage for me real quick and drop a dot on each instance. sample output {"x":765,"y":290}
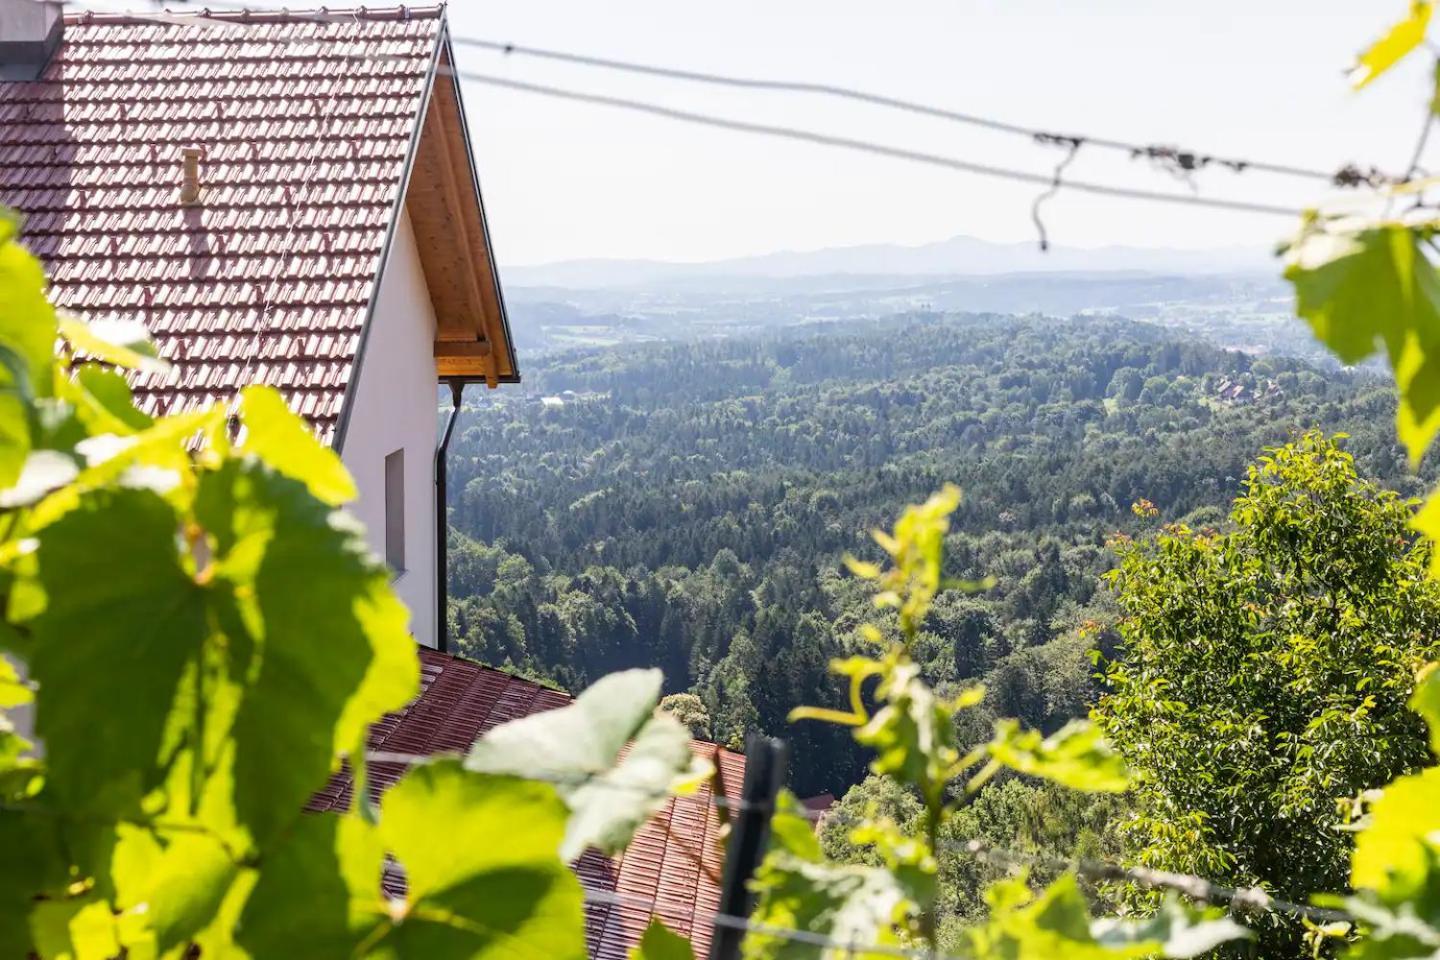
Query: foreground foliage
{"x":206,"y":637}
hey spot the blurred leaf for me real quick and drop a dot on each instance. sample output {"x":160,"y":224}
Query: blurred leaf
{"x":13,"y":691}
{"x":481,"y":881}
{"x":124,"y":623}
{"x":1058,"y":924}
{"x":659,"y":942}
{"x":1376,"y":286}
{"x":123,"y":343}
{"x":1390,"y":49}
{"x":27,"y":343}
{"x":1395,"y":853}
{"x":1075,"y":756}
{"x":579,"y":747}
{"x":310,"y":668}
{"x":286,"y":442}
{"x":1426,"y":702}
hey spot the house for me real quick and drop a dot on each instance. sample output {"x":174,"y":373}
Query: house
{"x":281,"y":198}
{"x":290,"y":198}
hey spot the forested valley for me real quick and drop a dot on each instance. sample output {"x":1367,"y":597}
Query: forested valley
{"x":687,"y":504}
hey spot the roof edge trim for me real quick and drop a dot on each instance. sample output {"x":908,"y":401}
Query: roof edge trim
{"x":397,"y":210}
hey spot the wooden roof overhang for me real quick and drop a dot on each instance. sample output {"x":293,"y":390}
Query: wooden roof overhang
{"x":472,"y":333}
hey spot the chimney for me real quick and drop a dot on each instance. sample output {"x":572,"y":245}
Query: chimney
{"x":30,"y":31}
{"x":190,"y":175}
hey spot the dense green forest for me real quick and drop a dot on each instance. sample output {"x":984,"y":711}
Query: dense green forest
{"x":686,"y":504}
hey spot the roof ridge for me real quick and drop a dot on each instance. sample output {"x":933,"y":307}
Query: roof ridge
{"x":263,"y":15}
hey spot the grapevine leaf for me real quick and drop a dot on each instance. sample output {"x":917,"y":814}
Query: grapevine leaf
{"x":316,"y":637}
{"x":580,"y":746}
{"x":32,"y":865}
{"x":1075,"y":756}
{"x":181,"y":887}
{"x":659,"y":942}
{"x":102,"y":397}
{"x":1396,"y":851}
{"x":27,"y":342}
{"x":913,"y":733}
{"x":1058,"y":924}
{"x":1425,"y":701}
{"x":283,"y":440}
{"x":319,"y":893}
{"x":481,"y":881}
{"x":1176,"y":930}
{"x":1390,"y":49}
{"x":123,"y":343}
{"x":859,"y":906}
{"x":123,"y":624}
{"x":13,"y":691}
{"x":1376,"y":286}
{"x":82,"y":928}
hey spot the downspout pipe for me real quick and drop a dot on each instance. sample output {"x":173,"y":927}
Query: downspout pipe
{"x":442,"y":523}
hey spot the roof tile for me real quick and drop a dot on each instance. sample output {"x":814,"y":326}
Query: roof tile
{"x":305,"y":127}
{"x":675,"y":859}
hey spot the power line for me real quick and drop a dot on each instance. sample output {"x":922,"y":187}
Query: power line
{"x":1185,"y":160}
{"x":873,"y":147}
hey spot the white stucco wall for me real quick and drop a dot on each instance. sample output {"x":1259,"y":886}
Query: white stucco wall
{"x":393,"y":408}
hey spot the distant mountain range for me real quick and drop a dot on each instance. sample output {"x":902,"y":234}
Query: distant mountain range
{"x":958,"y":256}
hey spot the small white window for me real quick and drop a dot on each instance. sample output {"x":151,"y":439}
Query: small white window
{"x":395,"y":510}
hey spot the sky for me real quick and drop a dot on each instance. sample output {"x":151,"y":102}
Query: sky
{"x":1263,"y":79}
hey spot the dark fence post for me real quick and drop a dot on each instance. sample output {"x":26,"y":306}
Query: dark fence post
{"x":765,"y":768}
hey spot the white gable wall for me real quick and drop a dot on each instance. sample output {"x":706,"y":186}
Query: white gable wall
{"x":392,"y":408}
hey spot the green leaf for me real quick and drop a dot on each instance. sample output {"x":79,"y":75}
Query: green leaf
{"x":1058,"y":924}
{"x":1075,"y":756}
{"x":82,"y":928}
{"x":319,"y":892}
{"x":1177,"y":930}
{"x":580,"y":748}
{"x":123,"y":343}
{"x":1376,"y":286}
{"x":913,"y":733}
{"x":284,"y":441}
{"x":317,"y":644}
{"x":27,"y":343}
{"x":102,"y":398}
{"x":13,"y":690}
{"x":1426,"y":702}
{"x":123,"y":624}
{"x":482,"y":881}
{"x":659,"y":942}
{"x":1395,"y":852}
{"x":1390,"y":49}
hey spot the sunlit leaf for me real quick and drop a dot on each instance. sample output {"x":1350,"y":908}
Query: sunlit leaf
{"x":481,"y":881}
{"x":659,"y":942}
{"x":314,"y":666}
{"x":1390,"y":49}
{"x":1373,"y":288}
{"x":13,"y":690}
{"x":579,"y":747}
{"x":1076,"y":756}
{"x":280,"y":438}
{"x":113,"y":633}
{"x":1426,"y":702}
{"x":1395,"y":852}
{"x":122,"y":343}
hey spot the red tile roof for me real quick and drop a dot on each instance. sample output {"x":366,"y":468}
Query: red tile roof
{"x":674,"y":861}
{"x":305,"y":126}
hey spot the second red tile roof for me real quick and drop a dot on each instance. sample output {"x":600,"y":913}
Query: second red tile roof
{"x":675,"y":860}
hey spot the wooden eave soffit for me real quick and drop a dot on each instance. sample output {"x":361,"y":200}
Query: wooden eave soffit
{"x":450,"y":235}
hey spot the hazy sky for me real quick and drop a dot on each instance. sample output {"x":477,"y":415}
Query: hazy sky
{"x":1261,"y":78}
